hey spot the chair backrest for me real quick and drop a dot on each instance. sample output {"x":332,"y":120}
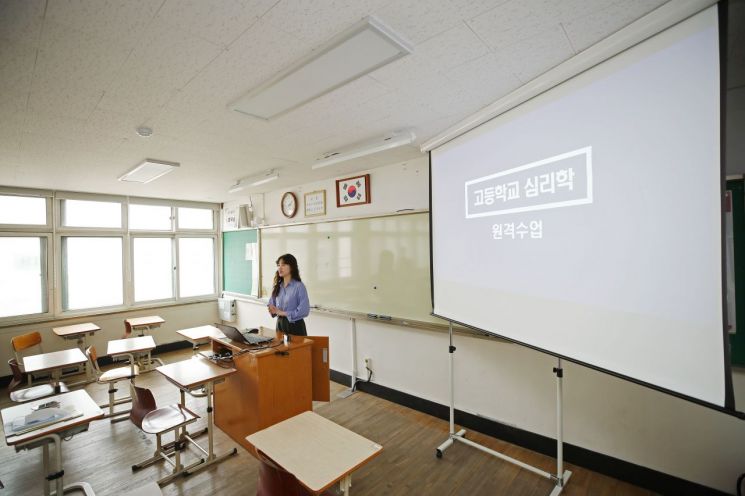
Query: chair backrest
{"x":274,"y":480}
{"x":25,"y":341}
{"x":90,"y":352}
{"x":17,"y":374}
{"x":143,"y":403}
{"x":127,"y":329}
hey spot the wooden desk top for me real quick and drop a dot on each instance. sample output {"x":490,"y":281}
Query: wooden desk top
{"x":131,"y":345}
{"x":145,"y":321}
{"x":315,"y":450}
{"x":201,"y":332}
{"x":80,"y":399}
{"x":75,"y":329}
{"x":53,"y":360}
{"x":193,"y":372}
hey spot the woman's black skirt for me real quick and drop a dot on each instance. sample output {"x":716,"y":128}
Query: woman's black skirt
{"x":294,"y":328}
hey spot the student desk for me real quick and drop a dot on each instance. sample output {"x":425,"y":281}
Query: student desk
{"x":189,"y":375}
{"x":53,"y":434}
{"x":54,"y":362}
{"x":270,"y":385}
{"x":315,"y":450}
{"x":130,"y":346}
{"x":78,"y":332}
{"x":200,"y":335}
{"x":143,"y":324}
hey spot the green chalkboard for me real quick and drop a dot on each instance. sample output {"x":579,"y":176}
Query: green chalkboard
{"x":737,"y":340}
{"x":240,"y":258}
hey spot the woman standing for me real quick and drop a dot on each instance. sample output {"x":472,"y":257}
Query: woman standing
{"x":289,"y":300}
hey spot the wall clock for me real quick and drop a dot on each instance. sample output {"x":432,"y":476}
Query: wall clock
{"x":289,"y":204}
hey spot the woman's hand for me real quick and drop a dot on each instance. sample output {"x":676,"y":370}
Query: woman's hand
{"x":276,"y":311}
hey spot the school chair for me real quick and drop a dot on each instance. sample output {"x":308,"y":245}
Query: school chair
{"x":111,"y":377}
{"x":28,"y":394}
{"x":150,"y":419}
{"x":22,"y":346}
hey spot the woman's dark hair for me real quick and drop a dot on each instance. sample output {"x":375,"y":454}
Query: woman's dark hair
{"x":294,"y":272}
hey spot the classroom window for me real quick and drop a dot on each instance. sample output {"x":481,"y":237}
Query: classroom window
{"x":23,"y":210}
{"x":85,"y":213}
{"x":23,"y":281}
{"x":196,"y":266}
{"x":152,"y":268}
{"x":150,"y":217}
{"x":195,"y":218}
{"x":91,"y":272}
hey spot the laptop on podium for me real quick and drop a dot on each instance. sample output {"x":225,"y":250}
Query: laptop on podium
{"x":242,"y":337}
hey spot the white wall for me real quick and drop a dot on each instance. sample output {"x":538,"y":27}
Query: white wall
{"x":515,"y":385}
{"x":112,"y":327}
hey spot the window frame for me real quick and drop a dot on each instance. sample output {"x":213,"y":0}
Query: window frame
{"x":60,"y":311}
{"x":48,"y":262}
{"x":174,"y":269}
{"x":54,"y":233}
{"x":215,"y":277}
{"x":35,"y":228}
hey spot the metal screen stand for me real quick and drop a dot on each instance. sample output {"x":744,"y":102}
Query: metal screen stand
{"x":561,"y":477}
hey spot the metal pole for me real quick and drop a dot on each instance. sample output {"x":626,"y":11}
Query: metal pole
{"x":559,"y":425}
{"x":451,"y":352}
{"x":354,"y":353}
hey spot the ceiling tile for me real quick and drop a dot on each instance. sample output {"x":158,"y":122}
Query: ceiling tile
{"x":515,"y":21}
{"x":587,"y":30}
{"x":316,"y":22}
{"x":123,"y":22}
{"x":468,"y":9}
{"x":218,"y":22}
{"x":17,"y":67}
{"x":66,"y":99}
{"x":418,"y":21}
{"x":162,"y":63}
{"x":76,"y":58}
{"x":269,"y":46}
{"x":223,"y":81}
{"x":488,"y":78}
{"x":21,"y":20}
{"x":451,"y":48}
{"x":546,"y":50}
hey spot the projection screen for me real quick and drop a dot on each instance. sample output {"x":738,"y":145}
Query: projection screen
{"x":586,"y":222}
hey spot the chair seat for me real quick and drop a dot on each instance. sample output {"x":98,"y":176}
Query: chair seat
{"x":118,"y":374}
{"x":36,"y":392}
{"x":166,"y":418}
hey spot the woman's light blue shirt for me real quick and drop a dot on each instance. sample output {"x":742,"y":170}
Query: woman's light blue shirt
{"x":292,"y":299}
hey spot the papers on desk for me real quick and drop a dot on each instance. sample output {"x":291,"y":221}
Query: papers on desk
{"x":40,"y":418}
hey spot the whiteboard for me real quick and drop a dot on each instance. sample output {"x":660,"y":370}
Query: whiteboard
{"x":375,"y":265}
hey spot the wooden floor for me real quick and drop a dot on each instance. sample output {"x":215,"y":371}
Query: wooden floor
{"x":103,"y":455}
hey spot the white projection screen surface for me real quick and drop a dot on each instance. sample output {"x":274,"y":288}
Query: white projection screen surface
{"x":586,"y":222}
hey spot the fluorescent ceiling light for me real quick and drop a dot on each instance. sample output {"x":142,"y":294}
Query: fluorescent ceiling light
{"x":149,"y":170}
{"x":263,"y":178}
{"x":388,"y":142}
{"x":361,"y":49}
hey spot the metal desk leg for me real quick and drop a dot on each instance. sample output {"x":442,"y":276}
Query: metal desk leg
{"x":345,"y":484}
{"x":211,"y":457}
{"x":57,"y":476}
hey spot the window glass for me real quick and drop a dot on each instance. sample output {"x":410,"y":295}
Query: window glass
{"x":150,"y":217}
{"x":84,"y":213}
{"x":153,"y":268}
{"x":23,"y":280}
{"x":91,"y":272}
{"x":195,"y":218}
{"x":196,"y":266}
{"x":23,"y":210}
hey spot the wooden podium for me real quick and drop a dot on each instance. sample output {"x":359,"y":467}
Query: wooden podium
{"x":271,"y":385}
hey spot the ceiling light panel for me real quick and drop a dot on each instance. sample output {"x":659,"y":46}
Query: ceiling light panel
{"x":149,"y":170}
{"x":362,"y":49}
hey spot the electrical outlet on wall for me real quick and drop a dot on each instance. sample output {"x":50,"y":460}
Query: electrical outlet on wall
{"x":368,"y":363}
